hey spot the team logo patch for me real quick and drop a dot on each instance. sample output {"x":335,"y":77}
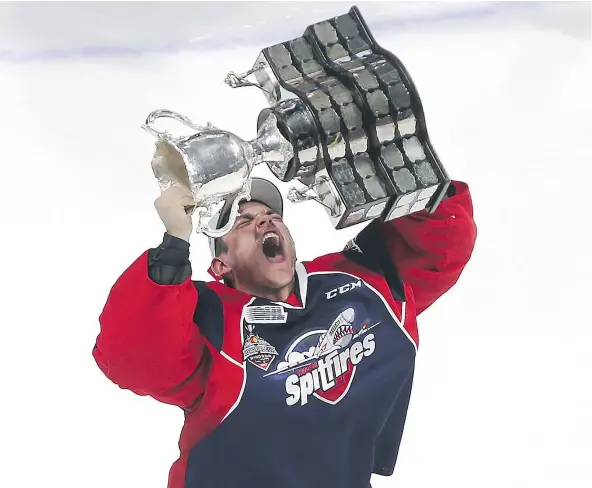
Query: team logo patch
{"x":257,"y":350}
{"x":322,"y":363}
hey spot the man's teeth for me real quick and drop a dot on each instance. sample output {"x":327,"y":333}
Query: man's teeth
{"x":271,"y":244}
{"x":270,"y":235}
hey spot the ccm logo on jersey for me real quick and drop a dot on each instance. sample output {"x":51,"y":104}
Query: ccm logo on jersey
{"x":343,"y":289}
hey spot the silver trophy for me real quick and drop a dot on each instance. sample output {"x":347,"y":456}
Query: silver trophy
{"x":214,"y":164}
{"x":344,"y":120}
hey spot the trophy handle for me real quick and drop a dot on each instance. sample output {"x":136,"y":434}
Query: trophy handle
{"x":236,"y":81}
{"x":205,"y":215}
{"x":299,"y":195}
{"x":163,"y":113}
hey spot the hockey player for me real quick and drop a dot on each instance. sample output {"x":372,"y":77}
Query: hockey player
{"x":290,"y":374}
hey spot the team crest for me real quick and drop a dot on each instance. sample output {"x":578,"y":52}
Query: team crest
{"x":322,"y":363}
{"x":257,"y":350}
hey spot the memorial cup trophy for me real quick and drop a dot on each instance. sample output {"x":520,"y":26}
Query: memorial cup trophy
{"x":344,"y":120}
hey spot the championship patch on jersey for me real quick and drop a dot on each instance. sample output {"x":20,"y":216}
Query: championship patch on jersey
{"x":322,"y":363}
{"x":257,"y":350}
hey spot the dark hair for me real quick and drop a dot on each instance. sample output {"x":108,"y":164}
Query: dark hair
{"x":220,"y":246}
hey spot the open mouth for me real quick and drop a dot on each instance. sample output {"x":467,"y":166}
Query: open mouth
{"x":273,"y":247}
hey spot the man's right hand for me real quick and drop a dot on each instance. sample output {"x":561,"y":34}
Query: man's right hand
{"x":171,"y":206}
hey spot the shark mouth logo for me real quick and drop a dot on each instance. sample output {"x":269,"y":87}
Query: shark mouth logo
{"x":322,"y":363}
{"x":344,"y":332}
{"x":339,"y":334}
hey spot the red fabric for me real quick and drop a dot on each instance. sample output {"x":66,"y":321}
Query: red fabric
{"x":431,"y":250}
{"x":148,"y":342}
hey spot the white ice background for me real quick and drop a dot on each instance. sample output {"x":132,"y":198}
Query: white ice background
{"x":503,"y":389}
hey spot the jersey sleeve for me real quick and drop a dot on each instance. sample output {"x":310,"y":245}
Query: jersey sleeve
{"x":428,"y":252}
{"x":148,"y":341}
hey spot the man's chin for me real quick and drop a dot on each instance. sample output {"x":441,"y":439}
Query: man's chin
{"x":279,"y":272}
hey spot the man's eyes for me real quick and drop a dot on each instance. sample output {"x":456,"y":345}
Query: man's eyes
{"x":243,"y":221}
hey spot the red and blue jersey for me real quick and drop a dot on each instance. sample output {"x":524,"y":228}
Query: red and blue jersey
{"x":309,"y":392}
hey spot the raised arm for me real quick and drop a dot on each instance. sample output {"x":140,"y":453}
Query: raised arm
{"x":148,"y":342}
{"x":426,"y":251}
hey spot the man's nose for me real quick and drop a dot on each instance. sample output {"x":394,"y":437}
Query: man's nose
{"x":263,"y":219}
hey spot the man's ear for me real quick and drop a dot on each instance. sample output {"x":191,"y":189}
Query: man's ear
{"x":220,"y":268}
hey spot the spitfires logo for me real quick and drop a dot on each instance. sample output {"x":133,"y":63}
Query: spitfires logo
{"x":257,"y":350}
{"x":322,"y":363}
